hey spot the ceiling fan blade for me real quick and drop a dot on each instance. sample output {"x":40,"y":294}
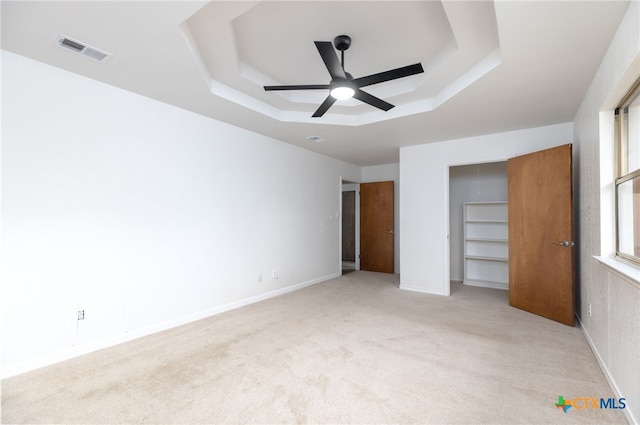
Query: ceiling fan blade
{"x":330,"y":59}
{"x":300,"y":87}
{"x":393,"y":74}
{"x":372,"y":100}
{"x":330,"y":100}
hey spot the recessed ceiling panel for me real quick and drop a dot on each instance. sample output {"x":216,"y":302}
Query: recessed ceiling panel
{"x":246,"y":45}
{"x":384,"y":35}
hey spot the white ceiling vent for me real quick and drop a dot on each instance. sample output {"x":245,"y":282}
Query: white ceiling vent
{"x":82,"y":48}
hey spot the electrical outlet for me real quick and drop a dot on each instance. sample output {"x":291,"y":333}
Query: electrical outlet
{"x":80,"y":314}
{"x":259,"y":277}
{"x":589,"y":309}
{"x":275,"y":274}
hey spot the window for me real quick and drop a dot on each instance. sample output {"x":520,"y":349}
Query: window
{"x":627,"y":125}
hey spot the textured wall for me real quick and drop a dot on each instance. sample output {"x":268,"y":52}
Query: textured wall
{"x":613,"y":328}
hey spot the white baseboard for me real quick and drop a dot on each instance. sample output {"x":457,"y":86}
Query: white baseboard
{"x":71,"y":352}
{"x":627,"y":412}
{"x":492,"y":285}
{"x":421,"y":290}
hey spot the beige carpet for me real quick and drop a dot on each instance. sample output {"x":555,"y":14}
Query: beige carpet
{"x":352,"y":350}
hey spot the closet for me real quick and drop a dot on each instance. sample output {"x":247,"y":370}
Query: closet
{"x":478,"y":224}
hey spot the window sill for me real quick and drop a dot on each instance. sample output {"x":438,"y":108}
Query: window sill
{"x":627,"y":271}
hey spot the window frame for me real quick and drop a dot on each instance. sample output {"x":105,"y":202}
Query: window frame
{"x":622,"y":174}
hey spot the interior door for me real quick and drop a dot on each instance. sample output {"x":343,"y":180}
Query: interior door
{"x":541,"y":253}
{"x":376,"y":227}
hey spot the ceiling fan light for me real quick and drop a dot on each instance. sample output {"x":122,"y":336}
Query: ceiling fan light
{"x":342,"y":92}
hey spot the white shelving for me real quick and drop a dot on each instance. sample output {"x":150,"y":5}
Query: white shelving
{"x":486,"y":248}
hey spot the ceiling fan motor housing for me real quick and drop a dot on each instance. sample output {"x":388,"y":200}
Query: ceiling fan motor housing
{"x":342,"y":42}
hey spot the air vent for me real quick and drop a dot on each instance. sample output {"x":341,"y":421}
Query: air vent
{"x":82,"y":48}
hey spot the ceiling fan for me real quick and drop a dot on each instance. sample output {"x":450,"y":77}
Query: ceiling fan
{"x":343,"y":85}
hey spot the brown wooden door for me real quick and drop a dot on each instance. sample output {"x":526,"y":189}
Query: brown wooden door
{"x":376,"y":227}
{"x":541,"y":272}
{"x":349,"y":226}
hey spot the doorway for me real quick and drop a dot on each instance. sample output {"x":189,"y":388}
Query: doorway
{"x":350,"y":233}
{"x":473,"y":183}
{"x":375,"y":236}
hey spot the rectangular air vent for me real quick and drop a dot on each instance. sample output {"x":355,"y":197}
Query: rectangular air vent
{"x":82,"y":48}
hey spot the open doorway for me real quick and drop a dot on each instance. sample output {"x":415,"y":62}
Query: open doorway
{"x":350,"y":229}
{"x":484,"y":189}
{"x":367,"y":224}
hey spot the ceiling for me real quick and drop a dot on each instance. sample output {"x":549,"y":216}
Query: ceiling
{"x":489,"y":66}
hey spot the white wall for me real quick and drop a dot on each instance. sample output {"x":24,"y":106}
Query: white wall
{"x":471,"y":183}
{"x":144,"y":215}
{"x":424,"y":196}
{"x":381,"y":173}
{"x":613,"y":328}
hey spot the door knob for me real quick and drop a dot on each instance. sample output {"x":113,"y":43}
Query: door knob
{"x":390,"y":232}
{"x":564,"y":243}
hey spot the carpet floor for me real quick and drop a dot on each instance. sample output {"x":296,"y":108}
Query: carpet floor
{"x":355,"y":349}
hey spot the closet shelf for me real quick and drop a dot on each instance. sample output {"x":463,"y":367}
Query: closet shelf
{"x":486,"y":245}
{"x":483,"y":258}
{"x":497,"y":240}
{"x":486,"y":221}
